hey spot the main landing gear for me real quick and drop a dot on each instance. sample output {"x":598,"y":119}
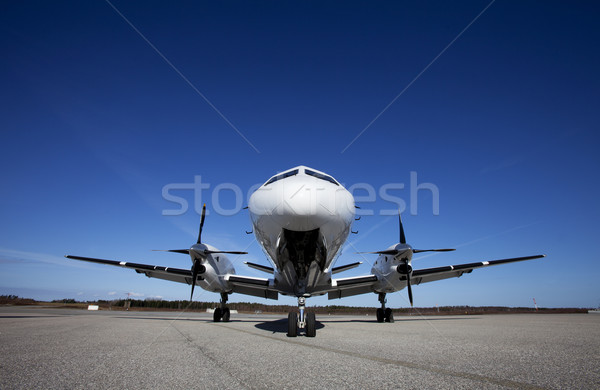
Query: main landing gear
{"x":302,"y":320}
{"x":383,"y":313}
{"x":223,"y":311}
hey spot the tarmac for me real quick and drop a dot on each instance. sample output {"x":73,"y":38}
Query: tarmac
{"x":76,"y":349}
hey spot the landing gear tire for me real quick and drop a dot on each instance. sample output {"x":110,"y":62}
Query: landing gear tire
{"x":227,"y":314}
{"x":311,"y":330}
{"x":389,"y":315}
{"x":292,"y":324}
{"x":380,"y":315}
{"x":217,"y":315}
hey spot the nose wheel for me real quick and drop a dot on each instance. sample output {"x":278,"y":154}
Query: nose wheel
{"x":301,"y":320}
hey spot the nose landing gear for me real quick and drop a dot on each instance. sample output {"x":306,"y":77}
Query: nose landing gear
{"x":302,"y":320}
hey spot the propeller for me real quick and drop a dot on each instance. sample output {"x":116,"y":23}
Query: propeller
{"x":199,"y":252}
{"x":197,"y":259}
{"x":197,"y":267}
{"x":404,"y":268}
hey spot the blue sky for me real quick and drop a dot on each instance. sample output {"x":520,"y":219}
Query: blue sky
{"x":504,"y":123}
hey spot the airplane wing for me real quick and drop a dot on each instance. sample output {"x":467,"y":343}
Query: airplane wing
{"x":454,"y":271}
{"x":258,"y":287}
{"x":151,"y":271}
{"x":346,"y":287}
{"x":259,"y":267}
{"x":346,"y":267}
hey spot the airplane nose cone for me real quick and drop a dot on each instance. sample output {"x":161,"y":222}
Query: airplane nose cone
{"x":300,"y":200}
{"x":301,"y":205}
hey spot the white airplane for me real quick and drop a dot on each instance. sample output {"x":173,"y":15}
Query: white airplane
{"x":301,"y":218}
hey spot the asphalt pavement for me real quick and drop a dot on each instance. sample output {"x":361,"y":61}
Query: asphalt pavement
{"x":68,"y":348}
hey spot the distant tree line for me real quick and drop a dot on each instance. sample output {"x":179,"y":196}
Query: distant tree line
{"x":251,"y":307}
{"x":71,"y":300}
{"x":15,"y":300}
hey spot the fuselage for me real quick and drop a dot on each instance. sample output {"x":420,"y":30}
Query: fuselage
{"x":301,"y":218}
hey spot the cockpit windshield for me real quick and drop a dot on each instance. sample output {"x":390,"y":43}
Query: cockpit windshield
{"x":282,"y":176}
{"x":321,"y":176}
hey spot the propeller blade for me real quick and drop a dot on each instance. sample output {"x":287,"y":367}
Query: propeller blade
{"x":386,"y":252}
{"x":402,"y":237}
{"x":182,"y":251}
{"x":410,"y":296}
{"x":433,"y":250}
{"x":195,"y":269}
{"x":228,"y":252}
{"x":192,"y":295}
{"x":201,"y":224}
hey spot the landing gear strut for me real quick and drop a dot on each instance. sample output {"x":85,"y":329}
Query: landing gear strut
{"x":383,"y":313}
{"x":303,"y":320}
{"x":222,"y":312}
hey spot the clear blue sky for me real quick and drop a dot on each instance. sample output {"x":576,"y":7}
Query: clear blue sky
{"x":505,"y":122}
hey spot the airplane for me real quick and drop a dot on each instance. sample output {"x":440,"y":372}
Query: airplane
{"x":301,"y":218}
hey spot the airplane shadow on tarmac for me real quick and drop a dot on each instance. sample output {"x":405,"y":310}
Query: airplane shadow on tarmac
{"x":407,"y":319}
{"x":280,"y":325}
